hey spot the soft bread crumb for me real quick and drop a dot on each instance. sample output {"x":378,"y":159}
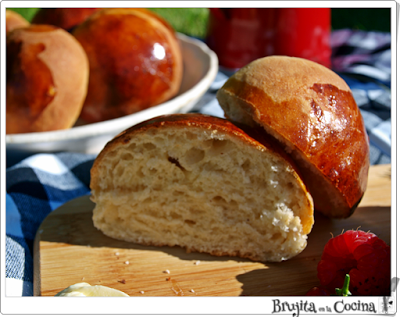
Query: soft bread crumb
{"x":204,"y":190}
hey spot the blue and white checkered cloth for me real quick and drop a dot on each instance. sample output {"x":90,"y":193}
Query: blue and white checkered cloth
{"x":35,"y":187}
{"x":41,"y":183}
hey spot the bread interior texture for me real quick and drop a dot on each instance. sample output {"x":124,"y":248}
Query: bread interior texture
{"x":203,"y":190}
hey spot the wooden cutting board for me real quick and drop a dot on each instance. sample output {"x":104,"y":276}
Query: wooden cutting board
{"x":69,"y":250}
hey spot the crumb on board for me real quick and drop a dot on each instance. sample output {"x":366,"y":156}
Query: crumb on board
{"x":116,"y":253}
{"x":192,"y":290}
{"x":126,"y":262}
{"x":167,"y":271}
{"x":122,"y":281}
{"x":197,"y":262}
{"x":141,"y":292}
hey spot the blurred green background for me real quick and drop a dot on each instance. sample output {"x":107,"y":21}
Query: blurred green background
{"x":193,"y":21}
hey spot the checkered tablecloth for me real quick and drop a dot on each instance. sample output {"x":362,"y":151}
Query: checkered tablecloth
{"x":43,"y":182}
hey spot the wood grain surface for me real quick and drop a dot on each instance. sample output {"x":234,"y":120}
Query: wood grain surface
{"x":69,"y":250}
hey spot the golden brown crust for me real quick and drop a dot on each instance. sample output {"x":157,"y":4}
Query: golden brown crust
{"x":157,"y":17}
{"x":14,"y":20}
{"x":135,"y":62}
{"x":312,"y":112}
{"x":65,"y":18}
{"x":47,"y":77}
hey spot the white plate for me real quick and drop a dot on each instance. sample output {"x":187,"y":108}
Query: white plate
{"x":200,"y":66}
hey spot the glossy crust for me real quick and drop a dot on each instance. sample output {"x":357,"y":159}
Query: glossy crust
{"x":47,"y":77}
{"x":311,"y":111}
{"x":14,"y":20}
{"x":135,"y":62}
{"x":65,"y":18}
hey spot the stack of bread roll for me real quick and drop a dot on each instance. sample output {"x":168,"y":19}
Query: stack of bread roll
{"x":87,"y":63}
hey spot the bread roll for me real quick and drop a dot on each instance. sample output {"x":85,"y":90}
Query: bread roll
{"x":65,"y":18}
{"x":46,"y":79}
{"x":201,"y":183}
{"x":135,"y":62}
{"x":310,"y":110}
{"x":14,"y":20}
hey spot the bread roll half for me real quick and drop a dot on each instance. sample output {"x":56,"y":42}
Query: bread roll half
{"x":311,"y":111}
{"x":201,"y":183}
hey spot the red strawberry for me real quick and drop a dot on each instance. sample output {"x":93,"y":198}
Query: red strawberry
{"x":363,"y":256}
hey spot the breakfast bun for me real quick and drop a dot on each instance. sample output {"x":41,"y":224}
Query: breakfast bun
{"x":311,"y":112}
{"x":135,"y":62}
{"x":204,"y":184}
{"x":14,"y":20}
{"x":46,"y":79}
{"x":65,"y":18}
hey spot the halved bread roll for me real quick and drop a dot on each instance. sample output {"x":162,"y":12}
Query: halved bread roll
{"x":311,"y":111}
{"x":204,"y":184}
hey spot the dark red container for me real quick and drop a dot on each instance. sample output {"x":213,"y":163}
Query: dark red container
{"x":241,"y":35}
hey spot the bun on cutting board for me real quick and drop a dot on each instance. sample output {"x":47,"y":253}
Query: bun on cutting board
{"x":204,"y":184}
{"x":135,"y":62}
{"x":14,"y":20}
{"x":310,"y":110}
{"x":46,"y":79}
